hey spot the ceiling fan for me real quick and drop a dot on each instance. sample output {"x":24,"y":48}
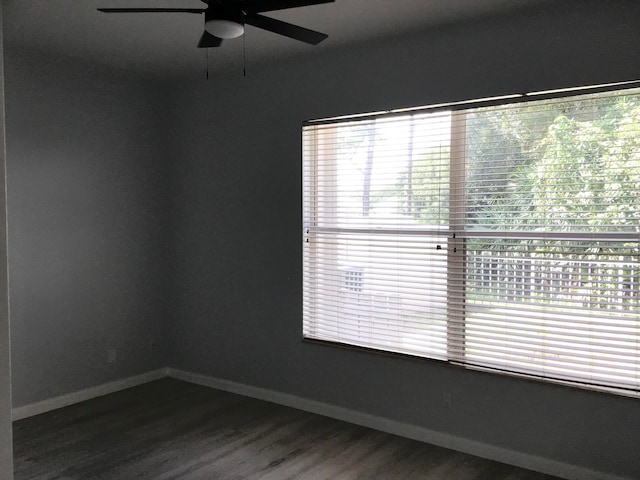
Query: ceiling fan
{"x":226,"y":19}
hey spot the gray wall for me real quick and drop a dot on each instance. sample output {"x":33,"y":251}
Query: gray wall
{"x":87,"y":222}
{"x":6,"y":455}
{"x":237,"y":226}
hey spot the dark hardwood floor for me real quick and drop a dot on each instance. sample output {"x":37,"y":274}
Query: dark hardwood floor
{"x":174,"y":430}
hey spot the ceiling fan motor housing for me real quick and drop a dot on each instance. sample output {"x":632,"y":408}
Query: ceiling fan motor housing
{"x":224,"y":21}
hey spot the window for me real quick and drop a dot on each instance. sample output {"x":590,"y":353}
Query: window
{"x":499,"y":237}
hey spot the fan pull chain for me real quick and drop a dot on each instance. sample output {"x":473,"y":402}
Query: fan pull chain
{"x":244,"y":55}
{"x":207,"y":50}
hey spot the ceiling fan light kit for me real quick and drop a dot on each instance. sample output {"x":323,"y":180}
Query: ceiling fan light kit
{"x":224,"y":28}
{"x":225,"y":19}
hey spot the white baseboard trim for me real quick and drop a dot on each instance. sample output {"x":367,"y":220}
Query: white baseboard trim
{"x":87,"y":394}
{"x":491,"y":452}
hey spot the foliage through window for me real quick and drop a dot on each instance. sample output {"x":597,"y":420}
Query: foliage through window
{"x":503,"y":237}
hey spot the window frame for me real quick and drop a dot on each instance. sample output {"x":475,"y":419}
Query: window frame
{"x":457,"y":230}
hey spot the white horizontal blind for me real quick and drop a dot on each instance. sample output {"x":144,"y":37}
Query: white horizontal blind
{"x":500,"y":237}
{"x":552,"y":230}
{"x":373,"y":275}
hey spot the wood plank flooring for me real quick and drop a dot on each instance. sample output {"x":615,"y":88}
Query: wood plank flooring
{"x":169,"y":430}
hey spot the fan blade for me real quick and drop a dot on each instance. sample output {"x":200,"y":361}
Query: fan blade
{"x":151,"y":10}
{"x":209,"y":41}
{"x":256,"y":6}
{"x":286,"y":29}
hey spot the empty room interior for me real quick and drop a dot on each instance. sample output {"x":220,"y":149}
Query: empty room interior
{"x":160,"y":203}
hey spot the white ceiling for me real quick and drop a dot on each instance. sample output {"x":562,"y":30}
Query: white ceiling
{"x":165,"y":43}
